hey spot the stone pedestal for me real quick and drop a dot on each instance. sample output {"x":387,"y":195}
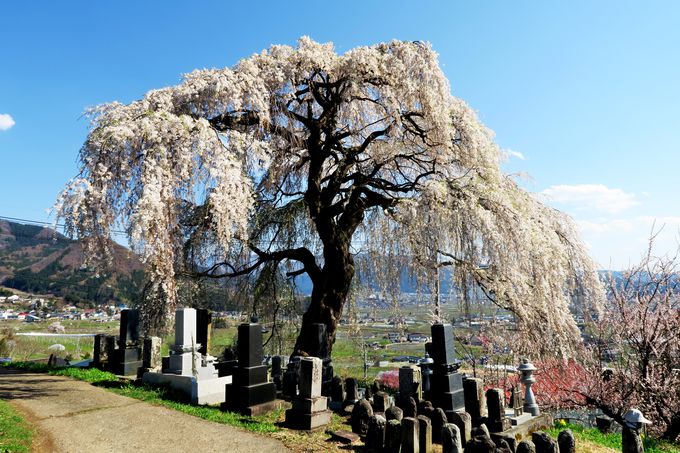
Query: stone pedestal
{"x":310,"y":409}
{"x":187,"y":370}
{"x":447,"y":384}
{"x":128,"y":357}
{"x":250,"y":393}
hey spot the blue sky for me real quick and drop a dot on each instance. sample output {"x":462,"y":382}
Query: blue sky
{"x":586,"y":92}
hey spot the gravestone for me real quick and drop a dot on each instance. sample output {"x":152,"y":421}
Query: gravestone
{"x":290,"y":378}
{"x":566,"y":441}
{"x":375,"y":436}
{"x":544,"y":443}
{"x":381,"y":402}
{"x":203,"y":330}
{"x":351,"y":391}
{"x":310,"y":409}
{"x":438,"y":419}
{"x":526,"y":446}
{"x":409,"y":435}
{"x":394,"y":413}
{"x":186,"y":370}
{"x":496,"y":420}
{"x":410,"y":383}
{"x":464,"y":423}
{"x":361,"y":414}
{"x":250,"y":393}
{"x":100,"y":355}
{"x":446,"y":383}
{"x":481,"y":431}
{"x":128,"y":356}
{"x":409,"y":407}
{"x":278,"y":362}
{"x":425,"y":434}
{"x":475,"y":402}
{"x":337,"y":393}
{"x":393,"y":437}
{"x":480,"y":444}
{"x":451,"y":442}
{"x":319,"y":348}
{"x":151,"y":356}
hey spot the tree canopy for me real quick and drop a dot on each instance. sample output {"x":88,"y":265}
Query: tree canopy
{"x":296,"y":159}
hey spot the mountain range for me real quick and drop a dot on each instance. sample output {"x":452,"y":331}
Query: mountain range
{"x":40,"y":260}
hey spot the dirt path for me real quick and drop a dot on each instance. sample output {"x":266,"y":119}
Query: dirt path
{"x":74,"y":416}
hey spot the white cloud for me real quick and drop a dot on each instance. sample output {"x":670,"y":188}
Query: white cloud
{"x":618,"y":243}
{"x":596,"y":197}
{"x":6,"y":121}
{"x":510,"y":153}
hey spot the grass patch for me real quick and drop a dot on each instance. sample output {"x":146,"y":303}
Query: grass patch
{"x":610,"y":440}
{"x":16,"y":434}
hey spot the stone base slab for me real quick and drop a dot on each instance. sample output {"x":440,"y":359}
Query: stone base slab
{"x":307,"y":422}
{"x":310,"y":405}
{"x":197,"y":391}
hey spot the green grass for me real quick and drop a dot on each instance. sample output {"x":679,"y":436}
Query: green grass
{"x":16,"y":434}
{"x":611,"y":440}
{"x":162,"y":396}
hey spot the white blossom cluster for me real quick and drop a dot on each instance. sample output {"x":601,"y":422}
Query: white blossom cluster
{"x":239,"y":141}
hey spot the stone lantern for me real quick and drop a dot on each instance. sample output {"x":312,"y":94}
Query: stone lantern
{"x":426,"y":372}
{"x":527,"y":369}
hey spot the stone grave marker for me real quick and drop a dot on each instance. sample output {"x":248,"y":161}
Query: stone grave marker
{"x":496,"y":420}
{"x":425,"y":434}
{"x":310,"y":409}
{"x":393,"y":437}
{"x":187,"y":370}
{"x":375,"y":436}
{"x":128,"y":356}
{"x":451,"y":442}
{"x":475,"y":402}
{"x":409,"y":435}
{"x":250,"y":393}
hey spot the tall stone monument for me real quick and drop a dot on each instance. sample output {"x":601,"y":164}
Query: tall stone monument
{"x":250,"y":393}
{"x":128,"y":357}
{"x":447,"y":384}
{"x":310,"y":409}
{"x":188,"y":371}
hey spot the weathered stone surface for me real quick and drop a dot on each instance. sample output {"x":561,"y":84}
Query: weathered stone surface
{"x":544,"y":443}
{"x":451,"y":442}
{"x":393,"y":437}
{"x":566,"y":441}
{"x":381,"y":402}
{"x":409,"y":407}
{"x":309,"y":379}
{"x":345,"y":437}
{"x":424,"y":406}
{"x":351,"y":391}
{"x":361,"y":413}
{"x":375,"y":437}
{"x":481,"y":430}
{"x":394,"y":413}
{"x":409,"y":435}
{"x":480,"y":444}
{"x":475,"y":403}
{"x":410,"y":382}
{"x":502,"y":446}
{"x":496,"y":419}
{"x":424,"y":434}
{"x":151,"y":353}
{"x":464,"y":423}
{"x":438,"y":421}
{"x":630,"y":441}
{"x":337,"y":389}
{"x":526,"y":446}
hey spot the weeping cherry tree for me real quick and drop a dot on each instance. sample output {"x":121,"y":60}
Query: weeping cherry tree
{"x":296,"y":160}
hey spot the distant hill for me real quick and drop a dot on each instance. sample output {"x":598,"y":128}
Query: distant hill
{"x":40,"y":260}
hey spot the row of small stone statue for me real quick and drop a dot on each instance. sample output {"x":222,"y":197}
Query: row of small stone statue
{"x":412,"y":427}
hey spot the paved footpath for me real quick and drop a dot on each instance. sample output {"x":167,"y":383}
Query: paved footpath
{"x":75,"y":416}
